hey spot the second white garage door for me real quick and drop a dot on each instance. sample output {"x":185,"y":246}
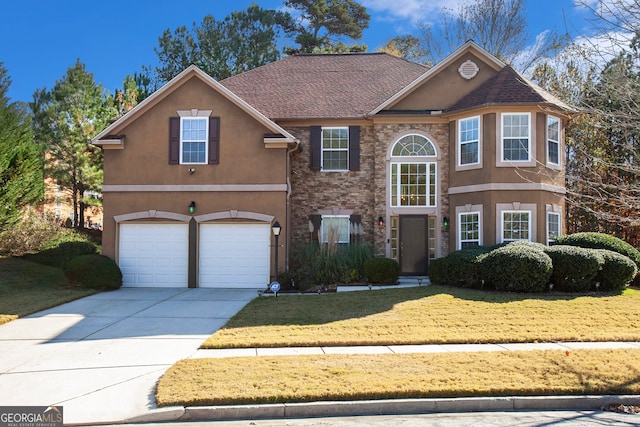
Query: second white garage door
{"x":234,"y":255}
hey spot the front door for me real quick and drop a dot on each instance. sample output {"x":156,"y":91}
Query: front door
{"x":414,"y":250}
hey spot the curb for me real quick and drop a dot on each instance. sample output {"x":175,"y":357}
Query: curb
{"x":382,"y":407}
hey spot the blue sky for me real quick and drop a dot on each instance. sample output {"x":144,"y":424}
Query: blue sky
{"x":42,"y":38}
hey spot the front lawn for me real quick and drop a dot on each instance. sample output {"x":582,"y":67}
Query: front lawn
{"x":430,"y":314}
{"x":252,"y":380}
{"x":27,"y":287}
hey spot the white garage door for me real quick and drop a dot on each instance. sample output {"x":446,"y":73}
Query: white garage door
{"x":234,"y":255}
{"x":154,"y":255}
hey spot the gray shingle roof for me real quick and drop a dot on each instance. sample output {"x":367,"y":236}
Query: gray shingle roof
{"x":324,"y":86}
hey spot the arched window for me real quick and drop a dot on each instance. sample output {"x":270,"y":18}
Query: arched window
{"x":413,"y":172}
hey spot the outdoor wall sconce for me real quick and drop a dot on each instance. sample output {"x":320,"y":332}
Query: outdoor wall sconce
{"x":445,"y":222}
{"x":380,"y":222}
{"x":192,"y":207}
{"x":192,"y":171}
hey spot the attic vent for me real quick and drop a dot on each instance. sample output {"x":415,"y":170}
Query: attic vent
{"x":468,"y":69}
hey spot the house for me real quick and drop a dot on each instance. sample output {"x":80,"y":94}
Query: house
{"x":415,"y":161}
{"x":58,"y":204}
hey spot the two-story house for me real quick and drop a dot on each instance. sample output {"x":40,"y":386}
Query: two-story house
{"x":412,"y":160}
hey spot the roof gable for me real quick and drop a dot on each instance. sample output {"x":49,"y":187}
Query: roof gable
{"x":106,"y":137}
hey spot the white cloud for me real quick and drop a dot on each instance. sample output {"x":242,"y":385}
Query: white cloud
{"x":413,"y":11}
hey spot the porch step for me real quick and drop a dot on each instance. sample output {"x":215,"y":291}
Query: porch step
{"x":414,"y":280}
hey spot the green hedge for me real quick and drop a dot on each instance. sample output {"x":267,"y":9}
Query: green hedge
{"x":517,"y":268}
{"x":460,"y":268}
{"x":94,"y":272}
{"x":617,"y":271}
{"x":601,"y":241}
{"x":380,"y":270}
{"x":438,"y":271}
{"x":574,"y":268}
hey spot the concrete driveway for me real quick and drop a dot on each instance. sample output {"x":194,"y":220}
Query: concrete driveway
{"x":101,"y":356}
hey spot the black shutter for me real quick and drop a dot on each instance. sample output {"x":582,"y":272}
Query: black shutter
{"x":354,"y":148}
{"x":174,"y":140}
{"x":316,"y":221}
{"x":214,"y":140}
{"x":315,"y":136}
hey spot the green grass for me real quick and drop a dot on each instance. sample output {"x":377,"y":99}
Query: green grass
{"x":430,"y":314}
{"x":27,"y":287}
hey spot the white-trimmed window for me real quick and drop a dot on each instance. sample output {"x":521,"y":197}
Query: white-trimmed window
{"x":335,"y":149}
{"x":335,"y":229}
{"x":554,"y":229}
{"x":516,"y":142}
{"x":553,"y":140}
{"x":468,"y":229}
{"x":516,"y":225}
{"x":413,"y":180}
{"x":469,"y":141}
{"x":193,"y":140}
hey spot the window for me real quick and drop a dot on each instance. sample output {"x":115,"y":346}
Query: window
{"x":553,"y":227}
{"x":335,"y":229}
{"x":335,"y":149}
{"x":413,"y":182}
{"x":553,"y":140}
{"x":193,"y":140}
{"x":515,"y":137}
{"x":468,"y":230}
{"x":469,"y":141}
{"x":516,"y":225}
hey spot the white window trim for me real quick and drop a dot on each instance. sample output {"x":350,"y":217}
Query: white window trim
{"x":516,"y":207}
{"x":322,"y":149}
{"x":500,"y":162}
{"x":477,"y":164}
{"x":347,"y":217}
{"x":556,"y":214}
{"x":459,"y":227}
{"x":548,"y":139}
{"x":557,"y":210}
{"x":398,"y":185}
{"x":206,"y":140}
{"x":519,"y":211}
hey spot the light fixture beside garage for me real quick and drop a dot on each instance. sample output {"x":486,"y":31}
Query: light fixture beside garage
{"x":276,"y":228}
{"x":192,"y":207}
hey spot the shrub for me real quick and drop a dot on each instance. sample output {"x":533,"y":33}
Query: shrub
{"x":516,"y":268}
{"x":617,"y":271}
{"x":58,"y":252}
{"x":94,"y":272}
{"x":381,"y":270}
{"x":462,"y":267}
{"x":574,"y":268}
{"x":28,"y":235}
{"x":438,"y":271}
{"x":601,"y":241}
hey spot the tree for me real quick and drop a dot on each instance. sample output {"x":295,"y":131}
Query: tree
{"x":407,"y":47}
{"x":241,"y":41}
{"x":320,"y":24}
{"x":67,"y":117}
{"x":499,"y":26}
{"x":21,"y":177}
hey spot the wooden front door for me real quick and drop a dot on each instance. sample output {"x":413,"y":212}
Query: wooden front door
{"x":414,"y":249}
